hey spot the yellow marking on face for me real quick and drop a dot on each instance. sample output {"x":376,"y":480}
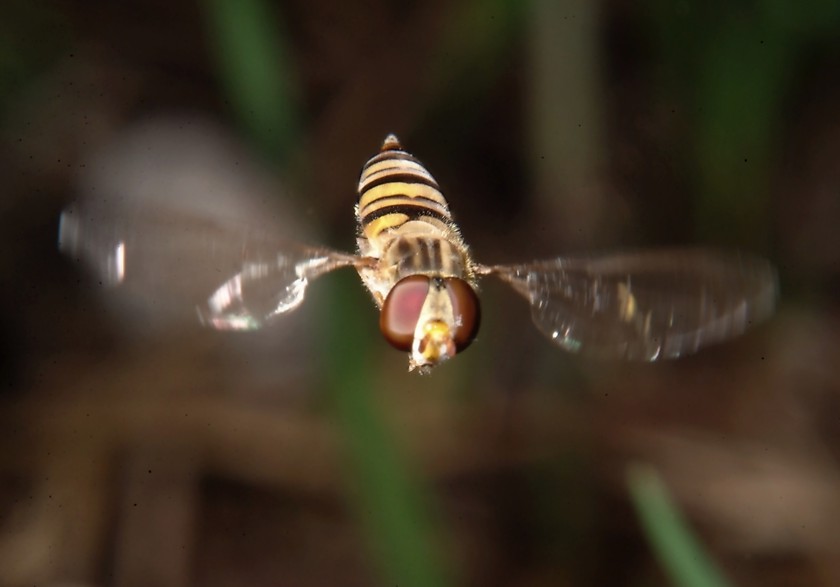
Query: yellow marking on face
{"x":436,"y":343}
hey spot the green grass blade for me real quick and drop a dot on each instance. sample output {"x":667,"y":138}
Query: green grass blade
{"x":255,"y":68}
{"x":391,"y":503}
{"x":668,"y":533}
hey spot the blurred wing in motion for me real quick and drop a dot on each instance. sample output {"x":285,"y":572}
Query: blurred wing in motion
{"x":235,"y":277}
{"x":646,"y":305}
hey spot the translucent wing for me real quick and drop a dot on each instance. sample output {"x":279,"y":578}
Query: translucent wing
{"x":234,"y":277}
{"x":645,"y":305}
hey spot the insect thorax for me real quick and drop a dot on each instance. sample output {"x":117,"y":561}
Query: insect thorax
{"x":416,"y":248}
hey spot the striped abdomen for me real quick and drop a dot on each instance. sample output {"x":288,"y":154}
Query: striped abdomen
{"x":395,"y":188}
{"x":405,"y":223}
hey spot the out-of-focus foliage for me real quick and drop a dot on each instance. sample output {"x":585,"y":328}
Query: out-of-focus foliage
{"x":257,"y":71}
{"x":389,"y":498}
{"x":672,"y":541}
{"x":20,"y":58}
{"x":734,"y":66}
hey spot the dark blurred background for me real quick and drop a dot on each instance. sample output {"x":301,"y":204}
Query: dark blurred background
{"x":144,"y":451}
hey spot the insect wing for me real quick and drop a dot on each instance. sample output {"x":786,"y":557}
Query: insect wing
{"x":645,"y":305}
{"x":171,"y":263}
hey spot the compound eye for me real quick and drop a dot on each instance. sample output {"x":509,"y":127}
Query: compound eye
{"x":466,"y":309}
{"x":401,"y":311}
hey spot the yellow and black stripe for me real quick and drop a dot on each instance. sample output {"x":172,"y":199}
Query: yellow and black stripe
{"x":396,"y":188}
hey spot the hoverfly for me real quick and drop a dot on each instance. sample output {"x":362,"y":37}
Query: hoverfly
{"x":413,"y":260}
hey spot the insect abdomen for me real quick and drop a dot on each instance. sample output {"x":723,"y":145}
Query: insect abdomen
{"x":395,"y":188}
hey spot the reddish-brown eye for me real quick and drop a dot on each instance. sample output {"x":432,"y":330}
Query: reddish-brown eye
{"x":401,"y":311}
{"x":466,"y":309}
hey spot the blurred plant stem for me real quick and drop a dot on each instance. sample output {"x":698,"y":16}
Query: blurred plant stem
{"x":256,"y":71}
{"x":566,"y":108}
{"x":672,"y":541}
{"x":391,"y":502}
